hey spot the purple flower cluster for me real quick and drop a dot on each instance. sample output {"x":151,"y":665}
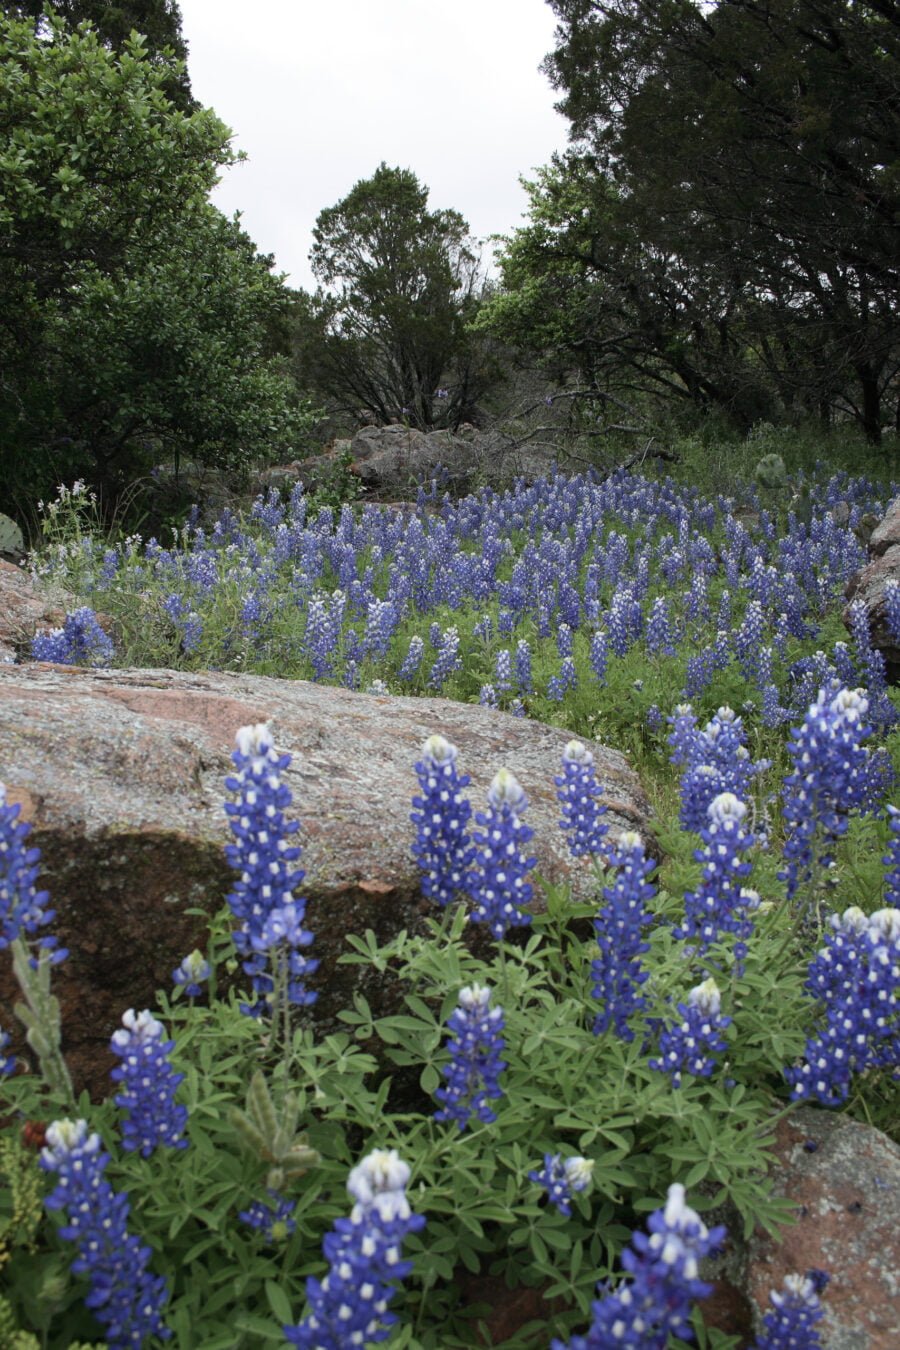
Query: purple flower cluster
{"x":830,"y":779}
{"x":856,"y":977}
{"x":579,"y":795}
{"x":562,"y":1178}
{"x":148,"y":1085}
{"x":23,"y":911}
{"x":350,"y":1305}
{"x":654,"y":1302}
{"x":80,"y":642}
{"x":720,"y":904}
{"x":473,"y":1071}
{"x":498,"y":881}
{"x":617,"y":971}
{"x":691,"y":1044}
{"x":442,"y":813}
{"x":124,"y":1297}
{"x":714,"y":759}
{"x":192,"y":974}
{"x":790,"y":1323}
{"x":271,"y":933}
{"x":273,"y":1218}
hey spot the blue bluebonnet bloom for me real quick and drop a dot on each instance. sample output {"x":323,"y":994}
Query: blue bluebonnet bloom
{"x":148,"y":1085}
{"x":598,"y":656}
{"x":7,"y":1062}
{"x":124,"y":1297}
{"x":23,"y":911}
{"x":498,"y":880}
{"x":830,"y":778}
{"x":691,"y":1044}
{"x":503,"y":670}
{"x":350,"y":1305}
{"x":654,"y":1302}
{"x":413,"y":659}
{"x":487,"y":696}
{"x":715,"y":760}
{"x":448,"y":658}
{"x":856,"y":977}
{"x":617,"y":971}
{"x":80,"y":642}
{"x":790,"y":1323}
{"x":263,"y":855}
{"x":273,"y":1218}
{"x":891,"y":859}
{"x":192,"y":974}
{"x":719,"y":904}
{"x":524,"y":679}
{"x":474,"y":1068}
{"x":892,"y":608}
{"x":659,"y":637}
{"x":579,"y":794}
{"x":442,"y":845}
{"x":562,"y":1178}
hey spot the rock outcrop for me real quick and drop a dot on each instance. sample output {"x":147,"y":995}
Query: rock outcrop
{"x":868,"y":584}
{"x":121,"y":773}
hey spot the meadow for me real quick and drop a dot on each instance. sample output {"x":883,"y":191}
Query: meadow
{"x":529,"y":1110}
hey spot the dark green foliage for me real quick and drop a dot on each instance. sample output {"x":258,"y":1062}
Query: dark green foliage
{"x":398,"y":285}
{"x":727,"y":232}
{"x":136,"y":318}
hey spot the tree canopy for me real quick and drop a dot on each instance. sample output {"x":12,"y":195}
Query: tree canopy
{"x":387,"y":330}
{"x":736,"y":170}
{"x":136,"y":318}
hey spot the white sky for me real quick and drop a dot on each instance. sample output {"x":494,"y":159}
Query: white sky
{"x":319,"y":92}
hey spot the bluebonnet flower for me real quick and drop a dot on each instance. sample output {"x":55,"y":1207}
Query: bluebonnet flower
{"x":80,"y":642}
{"x":715,"y":760}
{"x":23,"y":911}
{"x":598,"y":656}
{"x":564,"y":640}
{"x":659,"y":629}
{"x":617,"y":972}
{"x":892,"y":608}
{"x":349,"y":1306}
{"x":524,"y":680}
{"x":873,"y":666}
{"x":448,"y":658}
{"x":856,"y":976}
{"x":790,"y":1323}
{"x":556,"y":690}
{"x":273,"y":1218}
{"x":498,"y":882}
{"x":719,"y":903}
{"x":7,"y":1062}
{"x":830,"y":778}
{"x":148,"y":1084}
{"x":691,"y":1044}
{"x":891,"y":859}
{"x":192,"y":973}
{"x":442,"y":813}
{"x":503,"y":670}
{"x":487,"y":696}
{"x":473,"y":1071}
{"x":263,"y":855}
{"x":413,"y":659}
{"x":124,"y":1297}
{"x":579,"y":794}
{"x":562,"y":1178}
{"x":663,"y":1281}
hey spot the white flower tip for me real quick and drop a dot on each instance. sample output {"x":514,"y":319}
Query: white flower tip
{"x":577,"y":753}
{"x":506,"y":790}
{"x":381,"y":1172}
{"x":473,"y":996}
{"x":254,"y":741}
{"x":439,"y":750}
{"x":706,"y":996}
{"x":630,"y":841}
{"x":726,"y":807}
{"x":578,"y":1172}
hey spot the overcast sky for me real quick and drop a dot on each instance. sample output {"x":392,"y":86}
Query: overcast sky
{"x":319,"y":92}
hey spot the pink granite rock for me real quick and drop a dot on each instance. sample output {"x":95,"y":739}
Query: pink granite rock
{"x":121,"y":773}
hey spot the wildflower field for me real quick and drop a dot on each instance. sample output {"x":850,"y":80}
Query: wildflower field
{"x":562,"y":1112}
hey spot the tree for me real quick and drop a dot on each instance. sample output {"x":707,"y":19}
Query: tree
{"x":158,"y":22}
{"x":387,"y":330}
{"x":760,"y":138}
{"x":135,"y":317}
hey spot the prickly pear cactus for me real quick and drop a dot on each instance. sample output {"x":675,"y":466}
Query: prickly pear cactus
{"x":11,"y":540}
{"x":770,"y":472}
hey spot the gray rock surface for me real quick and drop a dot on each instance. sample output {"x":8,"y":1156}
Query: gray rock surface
{"x":868,"y":584}
{"x":121,"y":773}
